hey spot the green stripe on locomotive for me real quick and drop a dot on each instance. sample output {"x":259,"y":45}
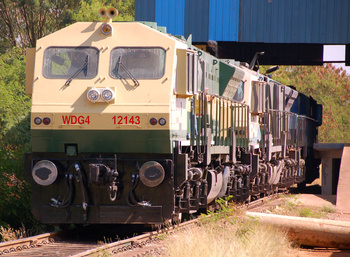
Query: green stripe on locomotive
{"x":226,"y":73}
{"x":106,"y":141}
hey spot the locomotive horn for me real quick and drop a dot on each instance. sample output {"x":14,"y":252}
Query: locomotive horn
{"x":112,"y":12}
{"x":102,"y":12}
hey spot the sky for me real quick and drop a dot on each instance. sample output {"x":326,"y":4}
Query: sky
{"x":335,"y":53}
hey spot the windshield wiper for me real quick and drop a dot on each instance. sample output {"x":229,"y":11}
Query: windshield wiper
{"x":132,"y":77}
{"x":84,"y":68}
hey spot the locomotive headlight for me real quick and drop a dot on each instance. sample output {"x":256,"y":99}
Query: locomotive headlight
{"x":44,"y":172}
{"x":107,"y":95}
{"x":106,"y":29}
{"x":152,"y":173}
{"x":93,"y":95}
{"x":101,"y":95}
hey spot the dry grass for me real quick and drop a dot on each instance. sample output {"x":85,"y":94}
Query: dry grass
{"x":9,"y":234}
{"x":293,"y":207}
{"x":229,"y":236}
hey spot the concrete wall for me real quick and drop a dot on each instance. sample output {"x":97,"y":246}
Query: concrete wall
{"x":328,"y":152}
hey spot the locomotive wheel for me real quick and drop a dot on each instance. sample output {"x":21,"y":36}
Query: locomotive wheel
{"x":157,"y":227}
{"x":302,"y":186}
{"x":176,"y":219}
{"x":65,"y":227}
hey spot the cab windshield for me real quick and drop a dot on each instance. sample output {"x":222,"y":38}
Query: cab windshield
{"x":137,"y":62}
{"x":63,"y":62}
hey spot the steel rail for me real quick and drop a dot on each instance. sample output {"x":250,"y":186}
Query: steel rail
{"x":153,"y":237}
{"x":119,"y":246}
{"x":263,"y":200}
{"x":27,"y":243}
{"x":137,"y":241}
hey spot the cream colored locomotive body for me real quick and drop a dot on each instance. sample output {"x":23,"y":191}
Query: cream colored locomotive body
{"x":132,"y":125}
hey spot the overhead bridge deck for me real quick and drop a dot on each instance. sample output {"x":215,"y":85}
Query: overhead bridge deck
{"x":290,"y":32}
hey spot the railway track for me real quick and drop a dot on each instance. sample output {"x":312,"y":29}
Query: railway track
{"x":52,"y":244}
{"x":261,"y":201}
{"x":58,"y":244}
{"x":142,"y":245}
{"x":48,"y":244}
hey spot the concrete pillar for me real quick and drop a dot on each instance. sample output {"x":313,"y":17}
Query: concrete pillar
{"x":328,"y":152}
{"x":343,"y":193}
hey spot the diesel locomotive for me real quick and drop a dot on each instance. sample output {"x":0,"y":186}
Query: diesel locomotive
{"x":131,"y":125}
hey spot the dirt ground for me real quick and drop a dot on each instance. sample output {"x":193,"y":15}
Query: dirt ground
{"x":322,"y":253}
{"x":311,"y":196}
{"x":323,"y":200}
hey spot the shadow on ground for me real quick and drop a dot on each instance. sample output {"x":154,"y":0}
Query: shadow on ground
{"x":308,"y":189}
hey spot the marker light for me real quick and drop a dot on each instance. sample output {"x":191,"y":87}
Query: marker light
{"x":153,"y":121}
{"x":46,"y":121}
{"x":162,"y":121}
{"x":106,"y":29}
{"x":38,"y":120}
{"x":93,"y":95}
{"x":107,"y":95}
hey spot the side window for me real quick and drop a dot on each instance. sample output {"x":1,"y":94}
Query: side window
{"x":192,"y":73}
{"x":140,"y":62}
{"x":239,"y":93}
{"x":63,"y":62}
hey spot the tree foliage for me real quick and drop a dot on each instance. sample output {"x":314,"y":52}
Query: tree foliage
{"x":14,"y":139}
{"x":330,"y":87}
{"x":22,"y":22}
{"x":88,"y":10}
{"x":15,"y":103}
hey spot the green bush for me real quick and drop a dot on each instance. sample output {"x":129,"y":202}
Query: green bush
{"x":14,"y":141}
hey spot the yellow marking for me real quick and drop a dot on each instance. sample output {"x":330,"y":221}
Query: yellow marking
{"x":100,"y":121}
